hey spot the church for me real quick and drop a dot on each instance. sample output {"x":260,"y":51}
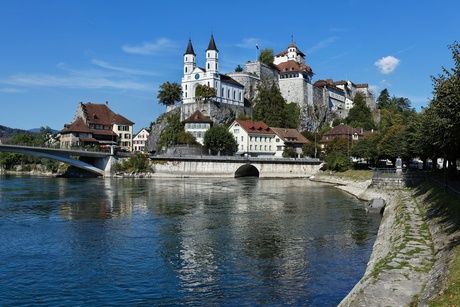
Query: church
{"x":228,"y":91}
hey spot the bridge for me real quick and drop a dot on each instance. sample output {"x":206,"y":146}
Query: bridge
{"x":91,"y":161}
{"x":101,"y":163}
{"x":234,"y":166}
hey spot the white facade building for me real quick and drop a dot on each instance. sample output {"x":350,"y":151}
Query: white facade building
{"x":140,"y":140}
{"x":227,"y":90}
{"x":254,"y":138}
{"x":197,"y":124}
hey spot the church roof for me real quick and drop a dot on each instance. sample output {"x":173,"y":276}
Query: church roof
{"x":189,"y":49}
{"x":198,"y":117}
{"x":230,"y":80}
{"x":212,"y":44}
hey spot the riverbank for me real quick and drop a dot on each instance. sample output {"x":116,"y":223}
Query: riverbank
{"x":412,"y":262}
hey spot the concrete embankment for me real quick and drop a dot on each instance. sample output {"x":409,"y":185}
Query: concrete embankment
{"x":403,"y":255}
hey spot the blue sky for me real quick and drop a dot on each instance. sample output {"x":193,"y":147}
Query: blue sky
{"x":54,"y":54}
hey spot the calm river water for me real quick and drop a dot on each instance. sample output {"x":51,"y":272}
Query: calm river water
{"x":179,"y":241}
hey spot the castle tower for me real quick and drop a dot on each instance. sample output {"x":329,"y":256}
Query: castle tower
{"x":212,"y":56}
{"x":189,"y":59}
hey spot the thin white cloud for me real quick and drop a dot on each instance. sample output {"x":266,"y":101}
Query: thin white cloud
{"x":322,"y":44}
{"x":249,"y":43}
{"x":126,"y":70}
{"x":150,"y":48}
{"x":74,"y":81}
{"x":11,"y":90}
{"x":387,"y":64}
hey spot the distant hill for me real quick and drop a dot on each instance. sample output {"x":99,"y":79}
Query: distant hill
{"x":37,"y":130}
{"x":7,"y":132}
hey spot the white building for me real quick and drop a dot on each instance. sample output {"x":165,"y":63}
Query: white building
{"x":140,"y":140}
{"x":288,"y":138}
{"x":227,"y":90}
{"x":197,"y":124}
{"x":254,"y":138}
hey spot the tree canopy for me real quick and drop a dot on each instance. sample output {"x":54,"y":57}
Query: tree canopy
{"x":266,"y":56}
{"x":169,"y":93}
{"x":220,"y":141}
{"x":360,"y":115}
{"x":204,"y":92}
{"x":174,"y":134}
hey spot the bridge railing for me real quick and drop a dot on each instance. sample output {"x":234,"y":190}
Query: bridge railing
{"x":233,"y":158}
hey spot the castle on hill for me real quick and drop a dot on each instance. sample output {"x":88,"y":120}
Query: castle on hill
{"x":290,"y":72}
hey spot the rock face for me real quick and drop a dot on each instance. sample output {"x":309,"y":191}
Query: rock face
{"x":157,"y":127}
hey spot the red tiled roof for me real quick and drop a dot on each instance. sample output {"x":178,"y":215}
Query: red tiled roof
{"x":102,"y":115}
{"x":198,"y":117}
{"x":327,"y":83}
{"x":290,"y":135}
{"x":343,"y":131}
{"x":292,"y":65}
{"x":254,"y":127}
{"x":77,"y":125}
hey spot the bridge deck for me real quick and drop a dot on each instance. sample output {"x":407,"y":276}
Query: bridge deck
{"x":237,"y":159}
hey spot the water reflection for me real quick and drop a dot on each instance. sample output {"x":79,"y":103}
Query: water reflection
{"x":193,"y":241}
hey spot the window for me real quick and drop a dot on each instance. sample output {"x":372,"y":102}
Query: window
{"x":279,"y":148}
{"x":208,"y":54}
{"x":234,"y":94}
{"x":250,"y":138}
{"x":228,"y":94}
{"x":242,"y":138}
{"x":270,"y":147}
{"x":277,"y":140}
{"x":236,"y":130}
{"x":186,"y":87}
{"x":265,"y":147}
{"x":250,"y":147}
{"x":208,"y":65}
{"x":222,"y":94}
{"x":127,"y":136}
{"x":239,"y":97}
{"x":185,"y":69}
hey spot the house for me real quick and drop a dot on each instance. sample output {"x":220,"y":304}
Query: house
{"x":288,"y":138}
{"x":197,"y":124}
{"x":140,"y":140}
{"x":97,"y":125}
{"x":254,"y":138}
{"x":343,"y":131}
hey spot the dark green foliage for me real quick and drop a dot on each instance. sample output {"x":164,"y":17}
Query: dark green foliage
{"x":138,"y":163}
{"x":204,"y":92}
{"x":266,"y":56}
{"x":289,"y":152}
{"x":220,"y":141}
{"x":292,"y":115}
{"x":169,"y":93}
{"x":383,"y":101}
{"x":238,"y":68}
{"x":360,"y":115}
{"x":366,"y":148}
{"x":308,"y":150}
{"x":270,"y":106}
{"x":337,"y":153}
{"x":393,"y":143}
{"x":174,"y":133}
{"x":336,"y":161}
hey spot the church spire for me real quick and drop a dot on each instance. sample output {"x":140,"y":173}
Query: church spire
{"x":189,"y":49}
{"x":212,"y":44}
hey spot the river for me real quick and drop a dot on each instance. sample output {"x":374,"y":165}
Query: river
{"x":189,"y":241}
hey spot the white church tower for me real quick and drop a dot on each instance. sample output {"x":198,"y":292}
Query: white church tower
{"x":212,"y":56}
{"x":189,"y":59}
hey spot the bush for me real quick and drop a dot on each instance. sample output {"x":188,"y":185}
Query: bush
{"x":336,"y":161}
{"x":138,"y":163}
{"x":289,"y":152}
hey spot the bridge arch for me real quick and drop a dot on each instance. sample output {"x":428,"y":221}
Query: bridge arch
{"x":247,"y":170}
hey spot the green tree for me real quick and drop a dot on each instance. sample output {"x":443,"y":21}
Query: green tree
{"x":366,"y":148}
{"x":204,"y":92}
{"x":220,"y":141}
{"x":174,"y":133}
{"x":138,"y":163}
{"x":238,"y":68}
{"x":393,"y":143}
{"x":266,"y":56}
{"x":383,"y":101}
{"x":360,"y":115}
{"x":269,"y":106}
{"x":169,"y":93}
{"x":292,"y":115}
{"x":289,"y":152}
